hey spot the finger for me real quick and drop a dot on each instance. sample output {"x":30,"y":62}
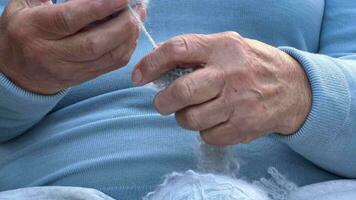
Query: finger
{"x":223,"y":134}
{"x":68,"y":18}
{"x":204,"y":116}
{"x":110,"y":61}
{"x":81,"y":72}
{"x":187,"y":49}
{"x":98,"y":40}
{"x":195,"y":88}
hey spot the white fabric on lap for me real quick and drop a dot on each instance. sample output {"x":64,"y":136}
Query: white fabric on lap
{"x":331,"y":190}
{"x":53,"y":193}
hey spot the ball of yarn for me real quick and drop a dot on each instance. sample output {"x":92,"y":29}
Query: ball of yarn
{"x":194,"y":186}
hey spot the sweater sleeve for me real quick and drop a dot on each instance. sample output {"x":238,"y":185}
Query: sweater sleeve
{"x":328,"y":137}
{"x":20,"y":109}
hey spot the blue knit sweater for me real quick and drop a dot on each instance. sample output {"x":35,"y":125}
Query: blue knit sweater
{"x":105,"y":134}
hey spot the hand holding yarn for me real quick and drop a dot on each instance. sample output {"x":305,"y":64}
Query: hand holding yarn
{"x":242,"y":89}
{"x":46,"y":47}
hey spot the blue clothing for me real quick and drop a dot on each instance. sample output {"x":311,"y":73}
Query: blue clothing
{"x":105,"y":134}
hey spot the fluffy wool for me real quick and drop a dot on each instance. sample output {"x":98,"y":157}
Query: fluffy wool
{"x":217,"y":160}
{"x":195,"y":186}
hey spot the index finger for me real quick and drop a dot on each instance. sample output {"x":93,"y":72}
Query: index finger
{"x":72,"y":16}
{"x":196,"y":88}
{"x":180,"y":51}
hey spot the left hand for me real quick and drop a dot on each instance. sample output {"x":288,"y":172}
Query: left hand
{"x":242,"y":90}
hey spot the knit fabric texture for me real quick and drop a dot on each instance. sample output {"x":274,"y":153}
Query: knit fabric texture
{"x":105,"y":134}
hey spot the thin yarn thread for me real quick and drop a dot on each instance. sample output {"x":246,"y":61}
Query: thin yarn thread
{"x":142,"y":26}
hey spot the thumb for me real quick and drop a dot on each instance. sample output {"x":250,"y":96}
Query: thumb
{"x":185,"y":50}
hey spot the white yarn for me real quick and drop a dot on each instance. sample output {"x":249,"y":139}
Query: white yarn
{"x":195,"y":186}
{"x":278,"y":186}
{"x":206,"y":186}
{"x":216,"y":160}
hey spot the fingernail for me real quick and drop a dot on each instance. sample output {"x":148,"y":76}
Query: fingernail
{"x":137,"y":76}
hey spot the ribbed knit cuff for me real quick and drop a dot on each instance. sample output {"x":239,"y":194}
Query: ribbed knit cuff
{"x":13,"y":94}
{"x":20,"y":109}
{"x":330,"y":104}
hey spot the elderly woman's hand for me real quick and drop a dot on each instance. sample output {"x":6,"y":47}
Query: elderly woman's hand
{"x":45,"y":48}
{"x":241,"y":89}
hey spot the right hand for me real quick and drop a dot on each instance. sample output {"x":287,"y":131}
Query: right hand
{"x":45,"y":48}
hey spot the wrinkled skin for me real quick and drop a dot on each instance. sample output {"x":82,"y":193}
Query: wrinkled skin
{"x":45,"y":48}
{"x":242,"y":89}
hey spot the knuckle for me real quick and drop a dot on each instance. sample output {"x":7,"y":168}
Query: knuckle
{"x":183,"y":90}
{"x":192,"y":118}
{"x":118,"y":60}
{"x":178,"y":47}
{"x":170,"y":47}
{"x":112,"y":57}
{"x":231,"y":34}
{"x":123,"y":60}
{"x":134,"y":28}
{"x":231,"y":39}
{"x":217,"y":77}
{"x":88,"y":46}
{"x":126,"y":59}
{"x":60,"y":20}
{"x":151,"y":64}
